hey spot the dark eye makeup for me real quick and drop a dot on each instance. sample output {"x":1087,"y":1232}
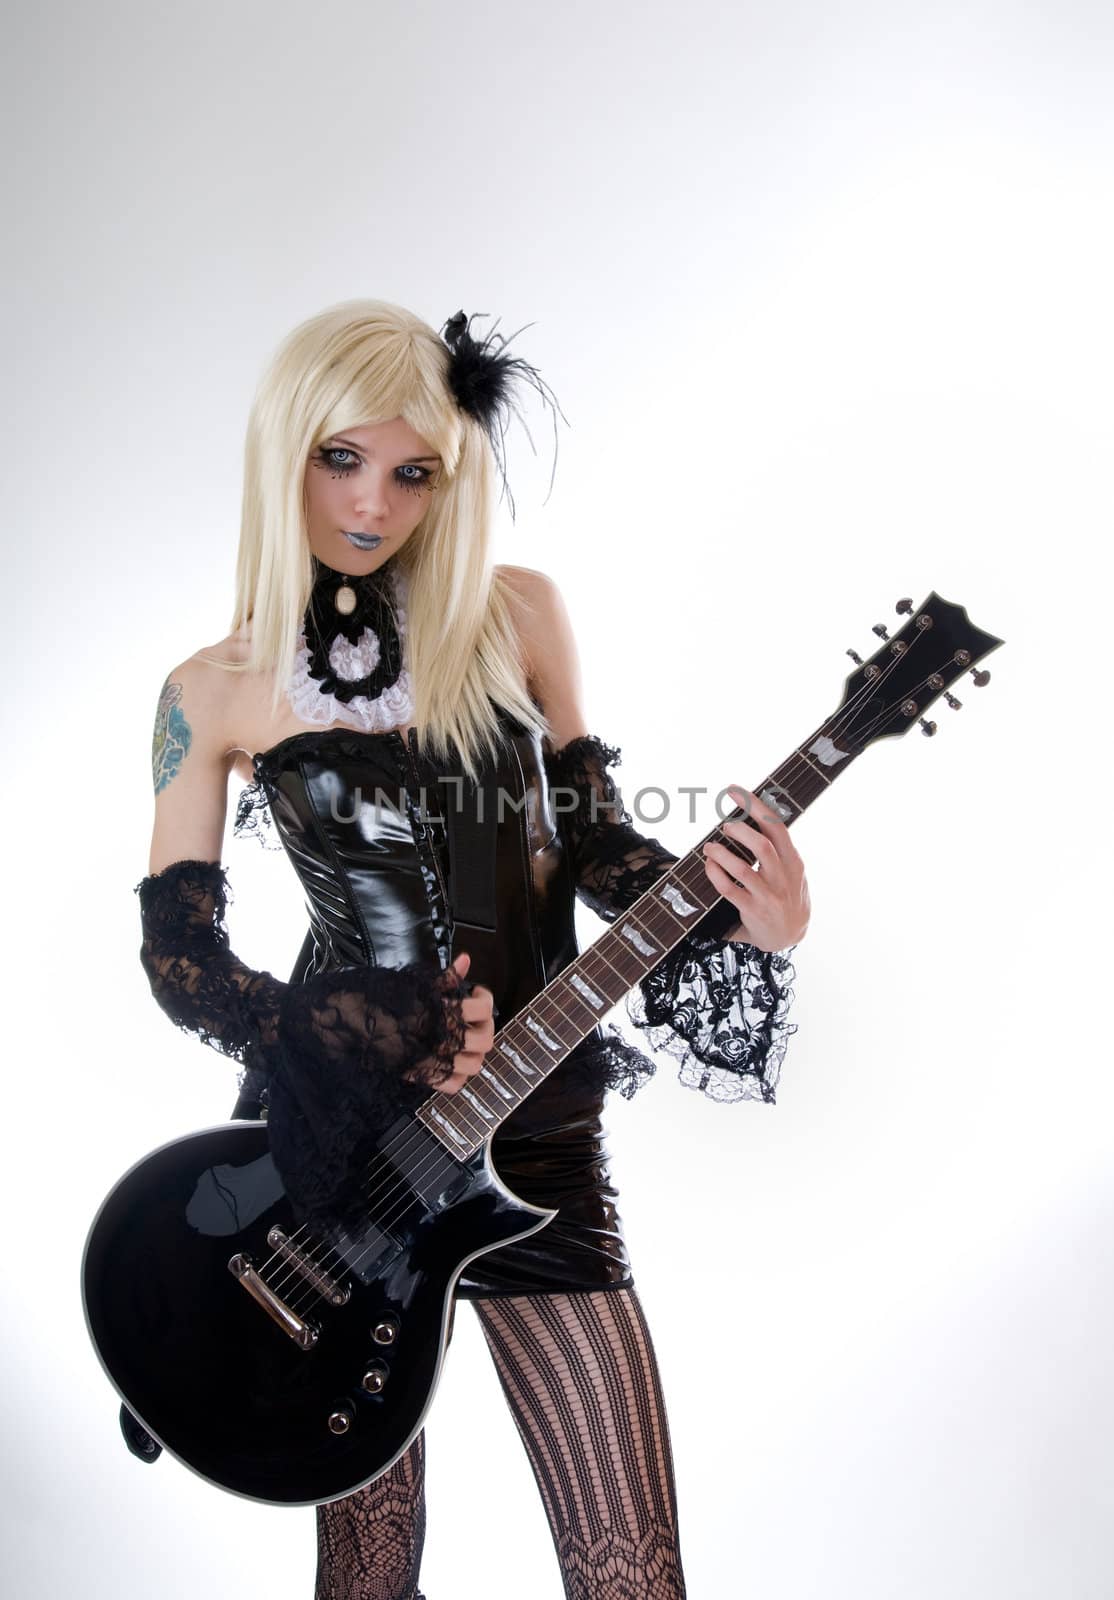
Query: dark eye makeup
{"x":410,"y":475}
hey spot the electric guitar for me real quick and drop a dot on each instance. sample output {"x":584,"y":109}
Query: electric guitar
{"x":293,"y":1367}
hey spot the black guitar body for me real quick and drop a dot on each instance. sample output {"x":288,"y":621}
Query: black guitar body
{"x":296,"y":1374}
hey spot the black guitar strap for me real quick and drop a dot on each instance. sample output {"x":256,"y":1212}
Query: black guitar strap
{"x":471,"y":828}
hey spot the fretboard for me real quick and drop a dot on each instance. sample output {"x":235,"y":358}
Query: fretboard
{"x":560,"y":1016}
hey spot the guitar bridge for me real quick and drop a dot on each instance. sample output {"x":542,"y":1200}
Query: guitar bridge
{"x":337,"y":1294}
{"x":303,"y":1333}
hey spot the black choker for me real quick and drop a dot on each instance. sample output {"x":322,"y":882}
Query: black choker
{"x":350,"y":628}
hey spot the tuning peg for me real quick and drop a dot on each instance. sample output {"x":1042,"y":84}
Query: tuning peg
{"x":956,"y":705}
{"x":927,"y":728}
{"x":904,"y":607}
{"x":855,"y":657}
{"x":880,"y":629}
{"x":982,"y":677}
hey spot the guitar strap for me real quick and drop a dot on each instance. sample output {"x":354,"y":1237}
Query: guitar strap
{"x":471,"y":829}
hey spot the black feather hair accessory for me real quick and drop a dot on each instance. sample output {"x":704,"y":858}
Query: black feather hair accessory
{"x":483,"y":378}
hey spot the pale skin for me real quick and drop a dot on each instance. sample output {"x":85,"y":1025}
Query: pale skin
{"x":378,"y":478}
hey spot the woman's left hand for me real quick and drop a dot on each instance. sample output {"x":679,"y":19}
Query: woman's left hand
{"x":771,"y":897}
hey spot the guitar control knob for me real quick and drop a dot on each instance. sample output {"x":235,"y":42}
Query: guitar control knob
{"x":340,"y":1421}
{"x":981,"y":677}
{"x":385,"y":1332}
{"x":927,"y":728}
{"x":375,"y":1378}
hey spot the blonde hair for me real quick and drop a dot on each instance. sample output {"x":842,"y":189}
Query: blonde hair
{"x":363,"y":362}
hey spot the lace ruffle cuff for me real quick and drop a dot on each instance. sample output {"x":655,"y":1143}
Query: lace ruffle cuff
{"x":192,"y":973}
{"x":338,"y":1056}
{"x":717,"y":1006}
{"x":348,"y":1064}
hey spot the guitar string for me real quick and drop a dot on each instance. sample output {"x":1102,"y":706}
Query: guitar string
{"x":402,"y":1188}
{"x":796,"y":763}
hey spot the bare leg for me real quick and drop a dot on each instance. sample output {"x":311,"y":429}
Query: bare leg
{"x":580,"y":1376}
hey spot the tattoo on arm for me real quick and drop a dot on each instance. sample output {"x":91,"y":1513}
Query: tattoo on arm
{"x":171,"y":741}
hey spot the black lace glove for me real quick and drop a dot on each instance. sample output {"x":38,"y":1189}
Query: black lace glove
{"x":717,"y":1006}
{"x":340,"y":1055}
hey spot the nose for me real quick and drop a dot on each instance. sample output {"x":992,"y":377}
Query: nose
{"x":372,"y":500}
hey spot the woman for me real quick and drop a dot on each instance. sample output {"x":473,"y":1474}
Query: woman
{"x":376,"y":649}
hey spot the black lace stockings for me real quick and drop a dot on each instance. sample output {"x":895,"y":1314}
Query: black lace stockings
{"x":580,"y":1376}
{"x":369,"y":1545}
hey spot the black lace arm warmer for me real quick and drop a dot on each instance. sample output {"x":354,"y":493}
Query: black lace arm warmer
{"x":340,"y":1055}
{"x":717,"y":1006}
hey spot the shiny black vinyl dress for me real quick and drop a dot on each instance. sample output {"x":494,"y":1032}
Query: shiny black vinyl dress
{"x":362,"y":818}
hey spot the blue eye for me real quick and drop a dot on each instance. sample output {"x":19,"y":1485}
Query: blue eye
{"x":328,"y":458}
{"x":417,"y":483}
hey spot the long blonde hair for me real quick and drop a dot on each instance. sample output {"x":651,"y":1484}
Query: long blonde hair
{"x":363,"y":362}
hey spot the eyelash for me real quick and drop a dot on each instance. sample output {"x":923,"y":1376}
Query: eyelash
{"x":341,"y":469}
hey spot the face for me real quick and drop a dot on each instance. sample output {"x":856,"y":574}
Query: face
{"x":366,"y":490}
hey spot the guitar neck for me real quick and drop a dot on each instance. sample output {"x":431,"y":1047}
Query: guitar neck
{"x":550,"y":1026}
{"x":884,"y":698}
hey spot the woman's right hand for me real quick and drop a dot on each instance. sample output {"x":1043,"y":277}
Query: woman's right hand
{"x":477,"y":1011}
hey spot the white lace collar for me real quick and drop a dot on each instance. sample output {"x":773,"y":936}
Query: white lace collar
{"x":390,"y":709}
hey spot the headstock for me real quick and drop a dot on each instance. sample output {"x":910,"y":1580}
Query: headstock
{"x":891,"y":691}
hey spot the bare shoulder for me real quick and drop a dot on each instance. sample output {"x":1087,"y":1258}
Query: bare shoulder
{"x":536,"y":601}
{"x":549,"y":644}
{"x":522,"y":579}
{"x":199,"y":696}
{"x":207,"y":669}
{"x":234,"y":648}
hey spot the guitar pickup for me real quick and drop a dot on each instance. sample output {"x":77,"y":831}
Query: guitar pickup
{"x":337,"y":1294}
{"x":303,"y":1333}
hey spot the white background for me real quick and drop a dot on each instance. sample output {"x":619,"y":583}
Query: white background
{"x":824,"y":292}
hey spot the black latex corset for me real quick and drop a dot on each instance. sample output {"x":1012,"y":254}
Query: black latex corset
{"x":362,"y":818}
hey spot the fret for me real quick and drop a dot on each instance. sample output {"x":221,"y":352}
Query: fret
{"x":463,"y":1119}
{"x":526,"y":1039}
{"x":516,"y":1066}
{"x":814,"y":767}
{"x":554,"y":1018}
{"x":496,"y":1082}
{"x":530,"y":1074}
{"x":473,"y":1099}
{"x":483,"y":1097}
{"x":591,"y":995}
{"x":654,"y":920}
{"x":607,"y":974}
{"x":545,"y":1038}
{"x":439,"y":1122}
{"x":564,"y":1009}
